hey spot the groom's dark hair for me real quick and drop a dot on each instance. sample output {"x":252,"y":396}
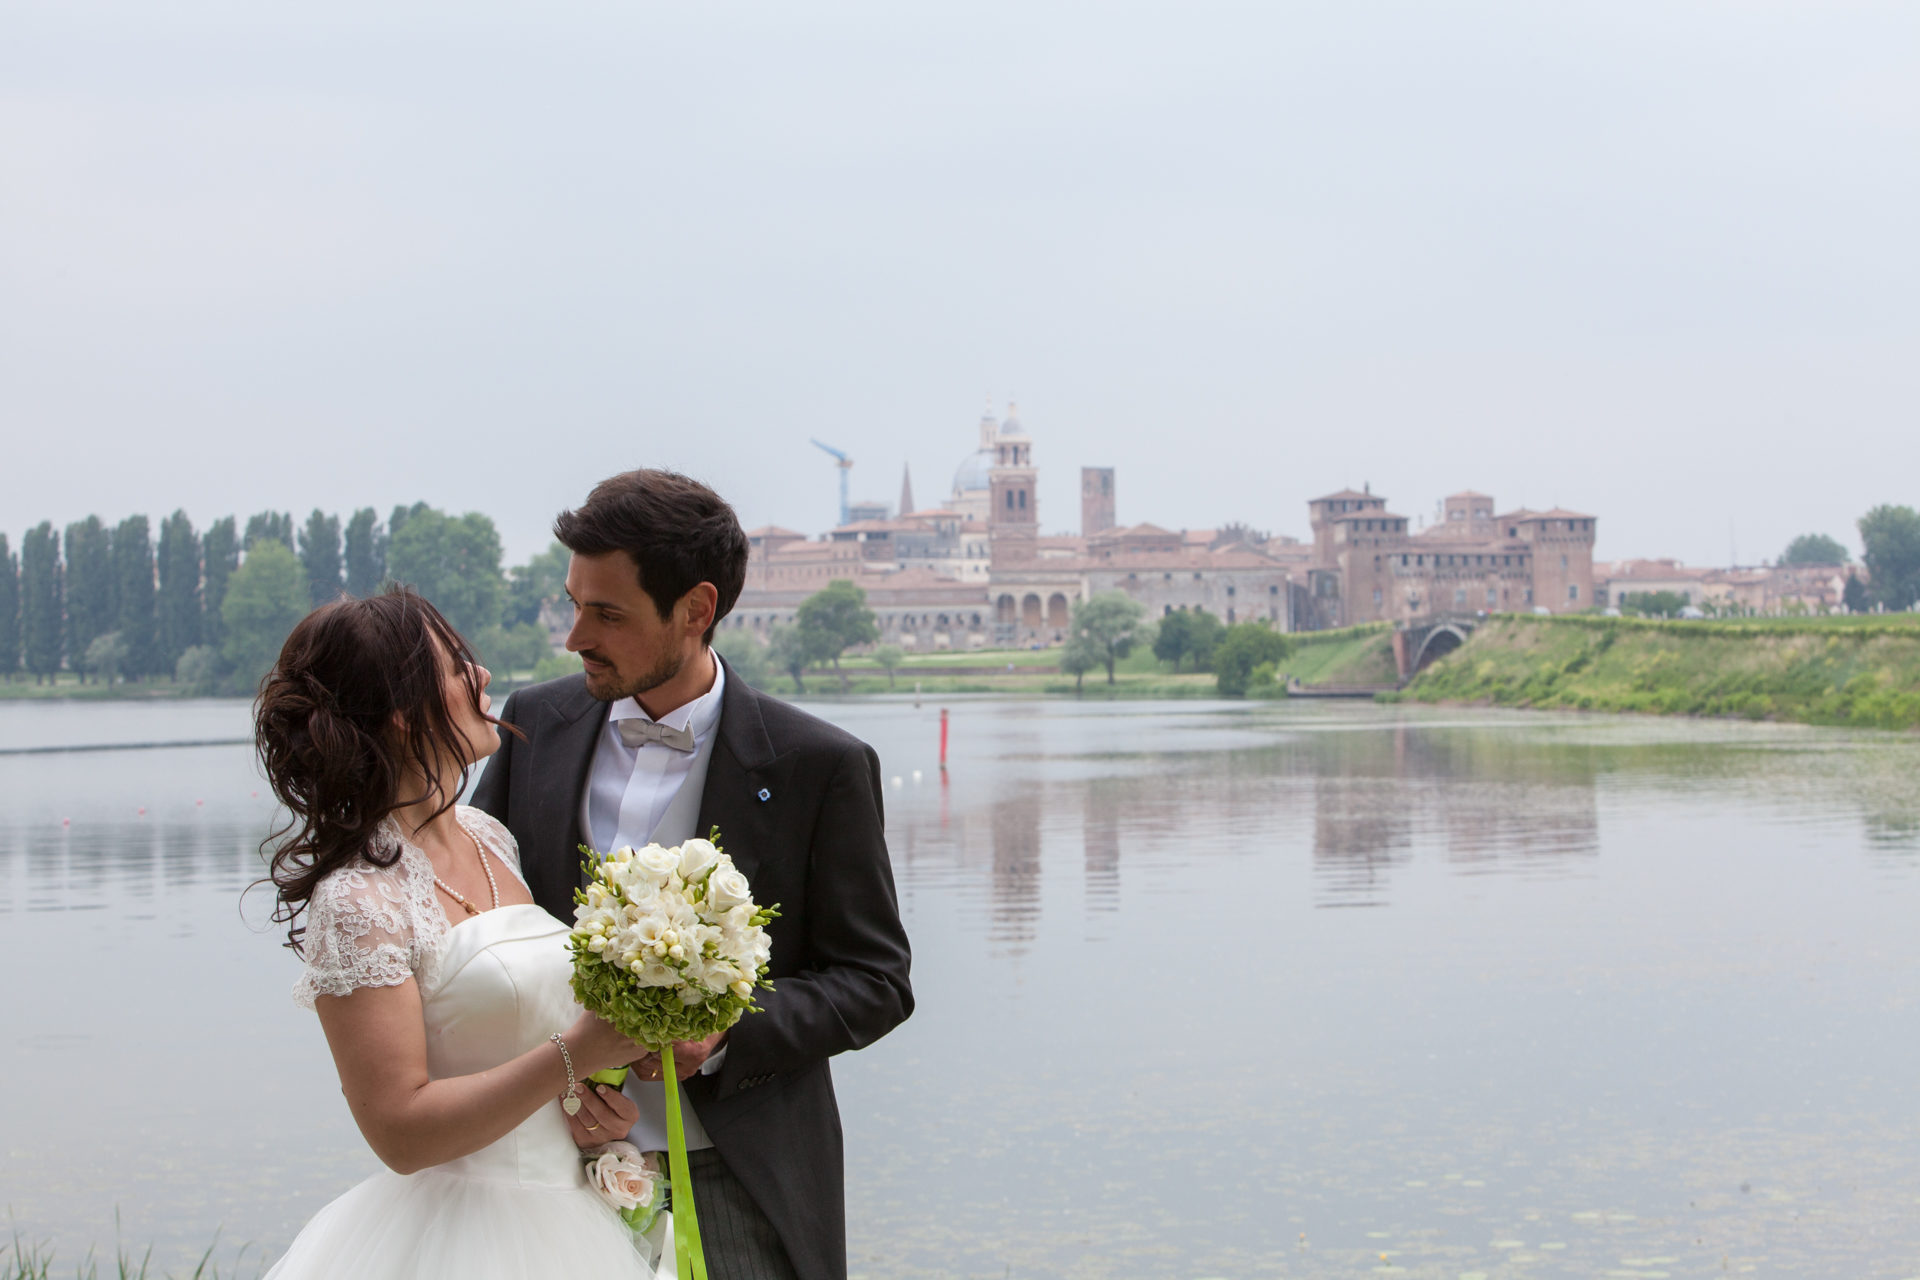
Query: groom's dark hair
{"x":679,"y":532}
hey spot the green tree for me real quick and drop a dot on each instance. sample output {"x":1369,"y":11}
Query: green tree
{"x":269,"y":524}
{"x":1108,"y":621}
{"x":1891,"y":538}
{"x":889,"y":657}
{"x":89,"y":588}
{"x":1245,"y":646}
{"x":401,"y":514}
{"x":746,"y":656}
{"x":178,"y":608}
{"x":1853,"y":596}
{"x":787,"y":651}
{"x":41,"y":602}
{"x":833,"y":620}
{"x":531,"y":585}
{"x":134,"y":599}
{"x":198,"y":671}
{"x":220,"y":555}
{"x":1170,"y":641}
{"x":453,"y":561}
{"x":266,"y":596}
{"x":9,"y":610}
{"x":320,"y":557}
{"x":1653,"y":604}
{"x":1204,"y":633}
{"x":1815,"y":548}
{"x":1083,"y":655}
{"x":510,"y":649}
{"x":108,"y":656}
{"x":366,"y":553}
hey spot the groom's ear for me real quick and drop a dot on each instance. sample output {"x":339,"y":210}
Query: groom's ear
{"x":700,"y":604}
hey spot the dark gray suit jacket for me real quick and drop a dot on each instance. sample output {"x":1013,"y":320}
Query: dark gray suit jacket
{"x":797,"y":802}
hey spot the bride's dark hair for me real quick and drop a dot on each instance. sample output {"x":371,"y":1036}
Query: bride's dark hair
{"x":356,"y":698}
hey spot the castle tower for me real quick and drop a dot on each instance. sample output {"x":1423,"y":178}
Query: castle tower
{"x":1096,"y":500}
{"x":1013,"y":516}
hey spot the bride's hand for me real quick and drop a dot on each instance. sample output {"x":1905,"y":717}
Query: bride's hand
{"x":596,"y":1046}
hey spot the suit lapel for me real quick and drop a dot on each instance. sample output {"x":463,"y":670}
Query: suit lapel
{"x":743,"y":767}
{"x":562,"y":775}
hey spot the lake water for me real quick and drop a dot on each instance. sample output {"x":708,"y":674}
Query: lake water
{"x":1205,"y":990}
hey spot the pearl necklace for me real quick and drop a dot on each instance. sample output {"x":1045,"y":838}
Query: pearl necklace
{"x":485,"y":866}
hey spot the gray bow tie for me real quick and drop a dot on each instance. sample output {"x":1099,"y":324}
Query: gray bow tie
{"x":637,"y":733}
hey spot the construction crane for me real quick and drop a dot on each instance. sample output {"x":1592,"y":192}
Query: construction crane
{"x":845,"y":464}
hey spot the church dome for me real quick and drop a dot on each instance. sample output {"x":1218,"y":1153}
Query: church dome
{"x":972,"y":475}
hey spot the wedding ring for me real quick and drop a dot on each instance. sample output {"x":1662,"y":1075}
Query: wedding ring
{"x":592,"y":1127}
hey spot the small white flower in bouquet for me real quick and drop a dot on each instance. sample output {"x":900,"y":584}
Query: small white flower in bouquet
{"x":669,"y":945}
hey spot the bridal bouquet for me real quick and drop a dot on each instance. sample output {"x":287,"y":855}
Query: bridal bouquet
{"x":669,"y":945}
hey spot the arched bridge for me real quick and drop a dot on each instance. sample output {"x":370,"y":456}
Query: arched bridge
{"x":1418,"y":643}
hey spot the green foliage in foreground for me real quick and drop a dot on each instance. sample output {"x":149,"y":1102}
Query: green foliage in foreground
{"x":23,"y":1259}
{"x":1840,"y":671}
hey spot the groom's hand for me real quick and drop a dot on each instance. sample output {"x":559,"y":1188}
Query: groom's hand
{"x":606,"y":1115}
{"x":688,"y":1057}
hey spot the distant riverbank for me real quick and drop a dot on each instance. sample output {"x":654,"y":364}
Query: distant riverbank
{"x":1354,"y":657}
{"x":1862,"y":672}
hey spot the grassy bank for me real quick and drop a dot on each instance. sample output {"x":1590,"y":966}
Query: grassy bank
{"x":1862,"y":672}
{"x":1349,"y":657}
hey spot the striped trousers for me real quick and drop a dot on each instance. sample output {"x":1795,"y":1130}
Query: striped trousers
{"x":740,"y":1243}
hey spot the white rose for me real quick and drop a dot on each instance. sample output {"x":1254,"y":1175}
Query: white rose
{"x":624,"y":1178}
{"x":697,"y":858}
{"x":658,"y":863}
{"x":727,"y":889}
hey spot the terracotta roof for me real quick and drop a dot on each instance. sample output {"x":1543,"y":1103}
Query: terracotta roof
{"x":1376,"y":514}
{"x":1470,"y":493}
{"x":774,"y":531}
{"x":1558,"y":513}
{"x":1348,"y":493}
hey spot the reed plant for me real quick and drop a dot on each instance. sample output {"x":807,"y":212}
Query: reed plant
{"x":24,"y":1259}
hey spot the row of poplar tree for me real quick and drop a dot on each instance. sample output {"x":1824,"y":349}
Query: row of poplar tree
{"x":211,"y":608}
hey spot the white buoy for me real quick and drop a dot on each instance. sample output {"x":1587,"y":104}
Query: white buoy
{"x":896,"y":781}
{"x":916,"y":775}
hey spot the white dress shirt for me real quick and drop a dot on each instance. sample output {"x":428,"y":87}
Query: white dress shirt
{"x":651,"y":794}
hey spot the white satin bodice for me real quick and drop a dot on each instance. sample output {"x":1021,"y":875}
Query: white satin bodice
{"x":500,"y":989}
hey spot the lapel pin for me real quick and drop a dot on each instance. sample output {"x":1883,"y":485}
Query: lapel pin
{"x":765,"y":794}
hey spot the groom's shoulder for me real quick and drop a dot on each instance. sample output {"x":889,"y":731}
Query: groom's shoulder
{"x":566,"y":696}
{"x":791,"y":729}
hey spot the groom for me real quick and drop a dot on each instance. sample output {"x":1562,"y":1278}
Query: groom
{"x":657,"y":741}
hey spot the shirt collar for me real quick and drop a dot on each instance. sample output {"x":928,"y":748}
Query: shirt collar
{"x":700,"y":715}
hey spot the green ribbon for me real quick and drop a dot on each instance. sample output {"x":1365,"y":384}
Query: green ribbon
{"x":690,"y":1259}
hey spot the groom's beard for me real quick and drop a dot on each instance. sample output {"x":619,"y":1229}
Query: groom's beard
{"x":613,"y":686}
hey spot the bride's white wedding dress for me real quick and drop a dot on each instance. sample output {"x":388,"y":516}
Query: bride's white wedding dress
{"x":492,"y":987}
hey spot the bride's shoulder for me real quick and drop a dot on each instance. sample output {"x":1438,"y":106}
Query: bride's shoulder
{"x":379,"y":872}
{"x":490,"y":829}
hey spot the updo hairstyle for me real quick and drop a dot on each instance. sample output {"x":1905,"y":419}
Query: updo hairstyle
{"x":355,"y":699}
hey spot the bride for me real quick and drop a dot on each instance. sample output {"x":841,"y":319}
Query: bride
{"x":442,"y":989}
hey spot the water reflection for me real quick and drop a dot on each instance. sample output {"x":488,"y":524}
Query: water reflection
{"x":1608,"y":971}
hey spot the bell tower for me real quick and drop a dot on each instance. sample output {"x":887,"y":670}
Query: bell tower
{"x":1013,"y":518}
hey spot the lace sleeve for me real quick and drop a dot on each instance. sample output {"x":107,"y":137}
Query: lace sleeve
{"x":362,"y":931}
{"x":492,"y":833}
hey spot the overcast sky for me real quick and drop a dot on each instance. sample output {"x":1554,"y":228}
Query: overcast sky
{"x":1657,"y":262}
